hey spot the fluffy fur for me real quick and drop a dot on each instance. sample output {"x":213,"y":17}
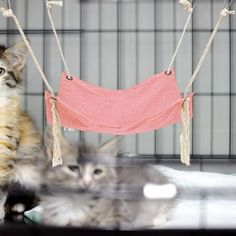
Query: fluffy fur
{"x":19,"y":137}
{"x":108,"y":199}
{"x":64,"y":208}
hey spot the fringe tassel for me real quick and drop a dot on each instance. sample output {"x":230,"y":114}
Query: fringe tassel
{"x":56,"y":131}
{"x":184,"y":137}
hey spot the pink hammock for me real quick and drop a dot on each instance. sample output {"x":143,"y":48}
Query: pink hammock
{"x":154,"y":103}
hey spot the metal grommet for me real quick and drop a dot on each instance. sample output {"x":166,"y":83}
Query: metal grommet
{"x":53,"y":98}
{"x":69,"y":77}
{"x":166,"y":73}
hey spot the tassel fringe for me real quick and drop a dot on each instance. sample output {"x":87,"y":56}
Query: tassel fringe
{"x":184,"y":137}
{"x":56,"y":131}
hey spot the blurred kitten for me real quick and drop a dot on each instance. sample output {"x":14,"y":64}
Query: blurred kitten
{"x":116,"y":206}
{"x":26,"y":181}
{"x":78,"y":209}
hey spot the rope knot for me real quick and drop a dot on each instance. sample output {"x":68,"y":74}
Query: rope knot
{"x":186,"y":5}
{"x":57,"y":3}
{"x":187,"y":99}
{"x":6,"y":12}
{"x":226,"y":12}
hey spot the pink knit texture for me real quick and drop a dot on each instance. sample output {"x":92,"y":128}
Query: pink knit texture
{"x":154,"y":103}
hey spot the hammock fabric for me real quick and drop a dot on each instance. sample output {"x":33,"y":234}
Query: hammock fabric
{"x":152,"y":104}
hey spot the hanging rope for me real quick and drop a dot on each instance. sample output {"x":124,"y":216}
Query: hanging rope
{"x":49,"y":5}
{"x":223,"y":13}
{"x":9,"y":13}
{"x":188,"y":7}
{"x":57,"y":160}
{"x":185,"y":113}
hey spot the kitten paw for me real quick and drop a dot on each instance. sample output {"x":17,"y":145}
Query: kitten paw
{"x":18,"y":208}
{"x":2,"y":214}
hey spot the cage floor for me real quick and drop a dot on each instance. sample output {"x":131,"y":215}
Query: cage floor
{"x":204,"y":211}
{"x":195,"y":212}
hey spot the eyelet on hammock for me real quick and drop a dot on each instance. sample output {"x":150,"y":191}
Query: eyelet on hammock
{"x":166,"y":73}
{"x":53,"y":98}
{"x":69,"y":77}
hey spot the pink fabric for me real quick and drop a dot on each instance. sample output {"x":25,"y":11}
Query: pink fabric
{"x":152,"y":104}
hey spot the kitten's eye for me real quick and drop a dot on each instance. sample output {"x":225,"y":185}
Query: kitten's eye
{"x":2,"y":71}
{"x":73,"y":168}
{"x":97,"y":171}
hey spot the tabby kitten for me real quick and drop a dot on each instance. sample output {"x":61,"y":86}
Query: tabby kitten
{"x":19,"y":137}
{"x":99,"y":171}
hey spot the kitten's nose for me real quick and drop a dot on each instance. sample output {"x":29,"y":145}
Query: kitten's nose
{"x":87,"y":183}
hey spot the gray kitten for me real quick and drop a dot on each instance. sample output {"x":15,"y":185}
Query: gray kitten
{"x":78,"y":209}
{"x":112,"y":196}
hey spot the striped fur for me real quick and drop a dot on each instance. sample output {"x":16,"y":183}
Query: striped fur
{"x":18,"y":133}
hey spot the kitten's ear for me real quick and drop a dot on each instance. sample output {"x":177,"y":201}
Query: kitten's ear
{"x":48,"y":142}
{"x":111,"y":147}
{"x":17,"y":55}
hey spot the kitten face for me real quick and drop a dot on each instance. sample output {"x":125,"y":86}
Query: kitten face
{"x":12,"y":61}
{"x":83,"y":166}
{"x":96,"y":167}
{"x":97,"y":172}
{"x":91,"y":171}
{"x":64,"y":175}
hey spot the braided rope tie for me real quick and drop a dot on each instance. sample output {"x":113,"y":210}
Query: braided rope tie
{"x":6,"y":12}
{"x":49,"y":8}
{"x":223,"y":13}
{"x":185,"y":113}
{"x":57,"y":3}
{"x":56,"y":127}
{"x":226,"y":12}
{"x":187,"y":6}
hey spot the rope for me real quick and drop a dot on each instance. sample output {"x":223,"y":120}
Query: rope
{"x":9,"y":13}
{"x":188,"y":7}
{"x":57,"y":160}
{"x":184,"y":137}
{"x":58,"y":3}
{"x":223,"y":13}
{"x":49,"y":8}
{"x":56,"y":130}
